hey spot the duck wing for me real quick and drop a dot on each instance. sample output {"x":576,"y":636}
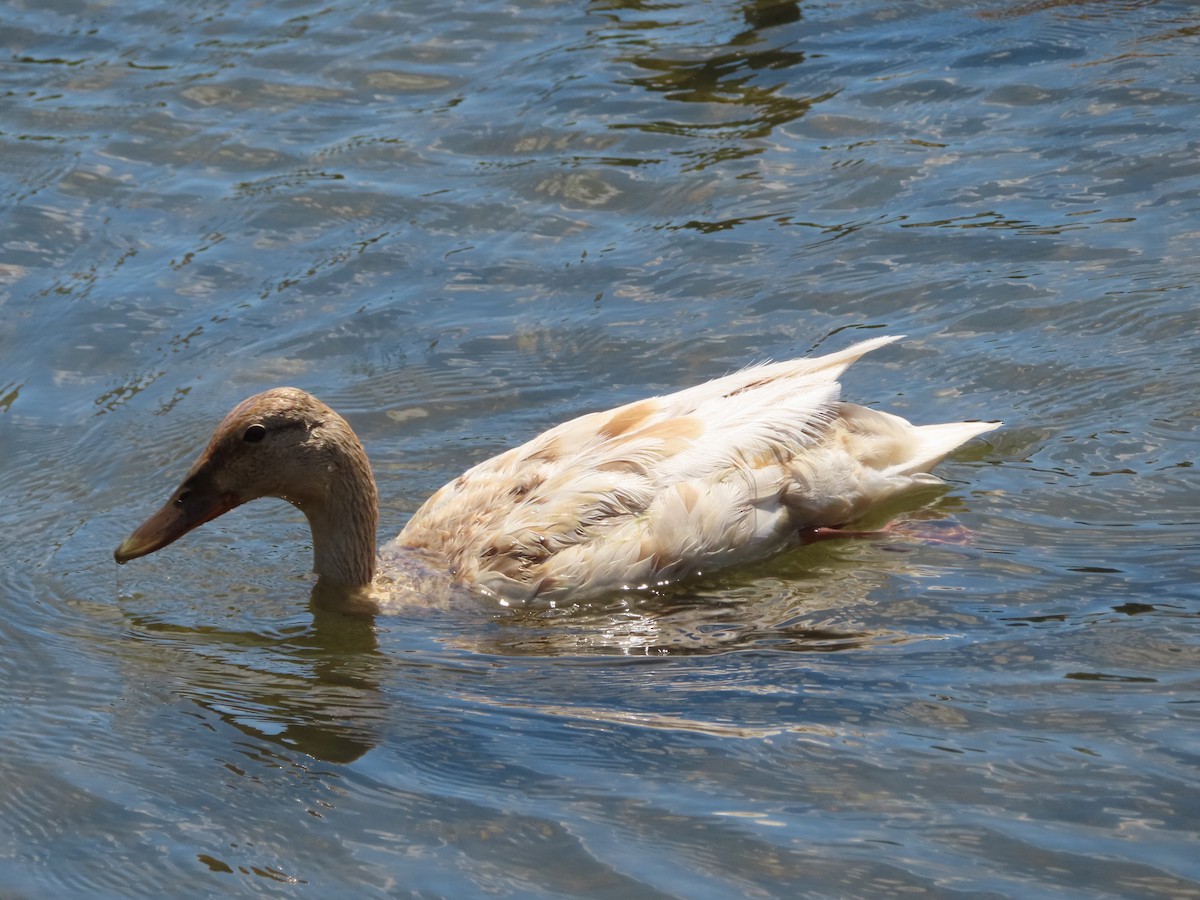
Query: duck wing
{"x":658,"y":489}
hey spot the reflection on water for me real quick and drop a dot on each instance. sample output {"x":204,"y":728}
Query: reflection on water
{"x":707,"y":74}
{"x":313,"y":690}
{"x":805,"y":602}
{"x":462,"y":224}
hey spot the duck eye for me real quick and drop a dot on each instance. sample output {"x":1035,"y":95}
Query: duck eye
{"x":255,"y":433}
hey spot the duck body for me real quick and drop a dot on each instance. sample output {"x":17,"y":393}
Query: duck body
{"x":649,"y":493}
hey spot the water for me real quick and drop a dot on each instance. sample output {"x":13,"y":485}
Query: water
{"x":461,"y":223}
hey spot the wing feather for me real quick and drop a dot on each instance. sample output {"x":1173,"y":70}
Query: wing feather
{"x":653,"y":490}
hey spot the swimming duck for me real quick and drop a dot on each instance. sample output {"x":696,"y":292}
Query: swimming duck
{"x":723,"y":473}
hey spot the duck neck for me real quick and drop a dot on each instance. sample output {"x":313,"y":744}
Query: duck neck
{"x":343,"y":523}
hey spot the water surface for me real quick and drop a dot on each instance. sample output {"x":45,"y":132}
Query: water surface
{"x":460,"y":224}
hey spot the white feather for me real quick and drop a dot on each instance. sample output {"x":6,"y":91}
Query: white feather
{"x":720,"y":473}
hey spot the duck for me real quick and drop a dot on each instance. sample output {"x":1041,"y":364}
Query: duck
{"x":648,"y":494}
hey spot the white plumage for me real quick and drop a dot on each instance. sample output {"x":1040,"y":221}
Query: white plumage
{"x":729,"y":471}
{"x":726,"y":472}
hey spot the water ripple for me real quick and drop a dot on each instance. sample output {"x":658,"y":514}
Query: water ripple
{"x":462,"y":224}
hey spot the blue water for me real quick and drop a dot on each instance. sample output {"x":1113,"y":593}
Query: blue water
{"x":461,"y":223}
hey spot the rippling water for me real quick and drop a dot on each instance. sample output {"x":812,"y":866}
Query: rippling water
{"x":461,"y":223}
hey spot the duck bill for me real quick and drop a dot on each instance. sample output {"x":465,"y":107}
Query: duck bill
{"x":194,"y":503}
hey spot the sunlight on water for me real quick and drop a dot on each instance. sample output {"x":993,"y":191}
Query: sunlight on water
{"x":459,"y":225}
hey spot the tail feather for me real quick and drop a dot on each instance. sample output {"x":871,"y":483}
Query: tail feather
{"x":933,"y":443}
{"x":893,"y":446}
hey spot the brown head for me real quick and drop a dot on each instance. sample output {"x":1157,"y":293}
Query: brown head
{"x":281,"y":443}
